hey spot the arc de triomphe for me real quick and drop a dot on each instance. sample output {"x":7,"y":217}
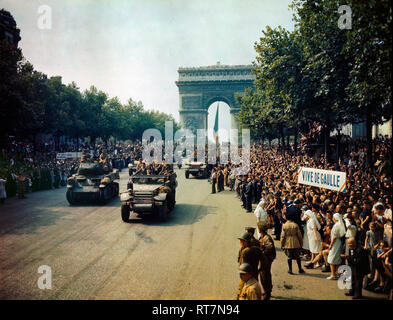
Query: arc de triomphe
{"x":199,"y":87}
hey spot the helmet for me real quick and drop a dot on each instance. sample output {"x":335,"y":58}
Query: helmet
{"x":297,"y":201}
{"x":245,"y":268}
{"x":289,"y":202}
{"x":305,"y":208}
{"x":245,"y":236}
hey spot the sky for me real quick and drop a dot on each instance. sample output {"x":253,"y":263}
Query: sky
{"x":133,"y":48}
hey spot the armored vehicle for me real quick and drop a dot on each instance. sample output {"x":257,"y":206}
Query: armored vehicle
{"x":197,"y":169}
{"x":149,"y":194}
{"x":92,"y":183}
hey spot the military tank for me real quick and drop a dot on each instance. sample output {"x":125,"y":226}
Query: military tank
{"x":92,"y":183}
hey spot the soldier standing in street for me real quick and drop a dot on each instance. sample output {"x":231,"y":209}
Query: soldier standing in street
{"x":251,"y":290}
{"x":248,"y":254}
{"x":253,"y":241}
{"x":56,"y":174}
{"x":213,"y":179}
{"x":21,"y":186}
{"x":269,"y":254}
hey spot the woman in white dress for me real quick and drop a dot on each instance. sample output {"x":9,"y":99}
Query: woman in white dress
{"x":335,"y":247}
{"x":306,"y":245}
{"x":314,"y":237}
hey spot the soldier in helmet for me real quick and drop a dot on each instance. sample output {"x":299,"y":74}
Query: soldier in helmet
{"x":269,"y":254}
{"x":104,"y":160}
{"x":248,"y":254}
{"x":86,"y":156}
{"x":251,"y":290}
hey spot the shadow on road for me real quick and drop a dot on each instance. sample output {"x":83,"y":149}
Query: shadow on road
{"x":182,"y":214}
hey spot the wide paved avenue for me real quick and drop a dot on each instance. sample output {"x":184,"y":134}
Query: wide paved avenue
{"x":93,"y":254}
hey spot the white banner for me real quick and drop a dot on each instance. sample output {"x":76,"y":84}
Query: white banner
{"x":328,"y":179}
{"x":69,"y":155}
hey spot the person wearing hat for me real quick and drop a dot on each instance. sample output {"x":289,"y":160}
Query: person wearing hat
{"x":277,"y":206}
{"x":248,"y":254}
{"x":292,"y":242}
{"x":251,"y":290}
{"x":269,"y":254}
{"x":253,"y":241}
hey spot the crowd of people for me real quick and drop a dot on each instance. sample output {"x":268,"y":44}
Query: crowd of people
{"x":324,"y":227}
{"x":25,"y":167}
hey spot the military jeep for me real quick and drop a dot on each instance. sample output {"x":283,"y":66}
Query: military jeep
{"x":196,"y":169}
{"x":149,"y":194}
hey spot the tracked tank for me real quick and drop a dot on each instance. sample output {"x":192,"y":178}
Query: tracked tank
{"x":92,"y":183}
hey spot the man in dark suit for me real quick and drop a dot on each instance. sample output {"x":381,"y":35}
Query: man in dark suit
{"x":249,"y":188}
{"x":358,"y":261}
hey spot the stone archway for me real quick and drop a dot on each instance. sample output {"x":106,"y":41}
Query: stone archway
{"x":201,"y":86}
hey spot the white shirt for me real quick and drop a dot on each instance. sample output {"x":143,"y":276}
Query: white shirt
{"x":261,"y":213}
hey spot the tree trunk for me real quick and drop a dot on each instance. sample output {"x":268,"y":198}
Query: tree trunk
{"x":288,"y":140}
{"x":338,"y":147}
{"x":282,"y":136}
{"x":295,"y":141}
{"x":369,"y":127}
{"x":326,"y":138}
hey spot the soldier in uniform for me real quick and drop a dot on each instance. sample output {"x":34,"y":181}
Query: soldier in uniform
{"x":213,"y":180}
{"x":251,"y":290}
{"x":56,"y":173}
{"x":221,"y":180}
{"x":36,"y":179}
{"x":269,"y":254}
{"x":86,"y":157}
{"x":248,"y":254}
{"x":104,"y":160}
{"x":253,"y":242}
{"x":21,"y":186}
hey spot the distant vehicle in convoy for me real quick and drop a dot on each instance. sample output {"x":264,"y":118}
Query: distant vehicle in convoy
{"x":149,"y":194}
{"x":91,"y":183}
{"x":196,"y":169}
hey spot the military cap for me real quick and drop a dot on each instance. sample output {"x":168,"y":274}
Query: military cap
{"x":250,"y":229}
{"x":245,"y":236}
{"x":245,"y":268}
